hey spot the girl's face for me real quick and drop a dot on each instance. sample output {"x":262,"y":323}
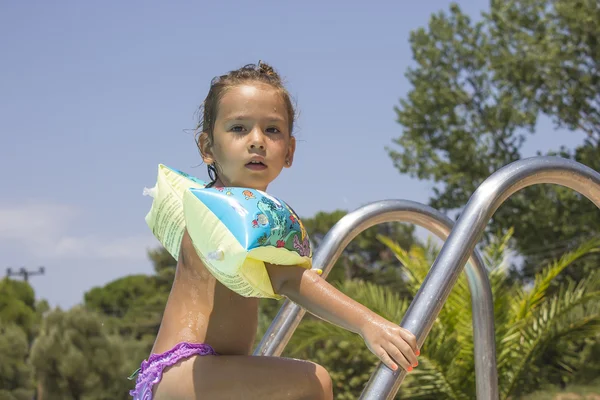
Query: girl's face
{"x":251,"y":139}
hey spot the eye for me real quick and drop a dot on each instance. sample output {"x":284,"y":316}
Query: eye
{"x":273,"y":130}
{"x":237,"y":128}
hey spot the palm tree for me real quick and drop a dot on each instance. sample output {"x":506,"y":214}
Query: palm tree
{"x":543,"y":322}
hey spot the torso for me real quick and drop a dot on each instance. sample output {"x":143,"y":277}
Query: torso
{"x":201,"y":310}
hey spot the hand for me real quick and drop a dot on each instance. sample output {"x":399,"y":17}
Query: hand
{"x":393,"y":344}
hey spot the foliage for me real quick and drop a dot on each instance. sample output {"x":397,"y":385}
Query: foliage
{"x":20,"y":317}
{"x":133,"y":305}
{"x":529,"y":323}
{"x":364,"y":257}
{"x":18,"y":306}
{"x":15,"y":373}
{"x":478,"y":90}
{"x":590,"y":356}
{"x":550,"y":52}
{"x":74,"y":357}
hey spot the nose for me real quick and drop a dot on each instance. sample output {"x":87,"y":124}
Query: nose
{"x":257,"y":139}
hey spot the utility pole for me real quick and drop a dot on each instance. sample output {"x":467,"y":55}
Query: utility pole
{"x":24,"y":273}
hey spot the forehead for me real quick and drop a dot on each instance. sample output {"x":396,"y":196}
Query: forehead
{"x":252,"y":100}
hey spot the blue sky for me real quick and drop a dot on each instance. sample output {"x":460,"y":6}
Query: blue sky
{"x":94,"y":95}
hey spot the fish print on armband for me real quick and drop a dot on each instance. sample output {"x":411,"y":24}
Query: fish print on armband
{"x":248,"y":194}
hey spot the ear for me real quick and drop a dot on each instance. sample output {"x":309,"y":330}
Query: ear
{"x":205,"y":146}
{"x":290,"y":152}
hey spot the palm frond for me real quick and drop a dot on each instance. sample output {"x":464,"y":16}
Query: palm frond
{"x":438,"y":373}
{"x":416,"y":263}
{"x":580,"y":322}
{"x":412,"y":267}
{"x":568,"y":297}
{"x":495,"y":257}
{"x":494,"y":254}
{"x":429,"y":382}
{"x":527,"y":301}
{"x":574,"y":311}
{"x":502,"y":291}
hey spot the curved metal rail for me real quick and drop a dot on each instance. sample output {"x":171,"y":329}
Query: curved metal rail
{"x":434,"y":291}
{"x":283,"y":326}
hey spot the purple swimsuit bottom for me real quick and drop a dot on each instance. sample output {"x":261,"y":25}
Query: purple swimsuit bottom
{"x":151,"y":370}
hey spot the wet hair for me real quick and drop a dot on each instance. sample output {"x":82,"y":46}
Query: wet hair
{"x":250,"y":73}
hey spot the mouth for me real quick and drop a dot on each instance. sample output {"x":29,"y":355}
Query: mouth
{"x":256,"y":165}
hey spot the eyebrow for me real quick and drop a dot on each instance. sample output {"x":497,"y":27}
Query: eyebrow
{"x":239,"y":117}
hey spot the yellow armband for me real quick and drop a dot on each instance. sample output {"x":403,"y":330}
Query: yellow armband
{"x":235,"y":231}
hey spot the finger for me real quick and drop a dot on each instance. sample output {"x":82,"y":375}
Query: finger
{"x":410,"y":339}
{"x":397,"y":355}
{"x":406,"y":350}
{"x":386,"y":359}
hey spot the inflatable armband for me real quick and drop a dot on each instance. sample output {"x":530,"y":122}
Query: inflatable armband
{"x":165,"y":217}
{"x":234,"y":230}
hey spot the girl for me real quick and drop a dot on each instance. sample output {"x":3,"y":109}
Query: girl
{"x":207,"y":332}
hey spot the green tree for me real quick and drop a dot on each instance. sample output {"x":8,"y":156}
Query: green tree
{"x":74,"y":357}
{"x":478,"y":89}
{"x":529,"y":323}
{"x":18,"y":306}
{"x":15,"y":374}
{"x":549,"y":52}
{"x":20,"y":317}
{"x":134,"y":305}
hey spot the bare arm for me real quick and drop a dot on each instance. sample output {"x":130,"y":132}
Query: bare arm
{"x":385,"y":339}
{"x":317,"y":296}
